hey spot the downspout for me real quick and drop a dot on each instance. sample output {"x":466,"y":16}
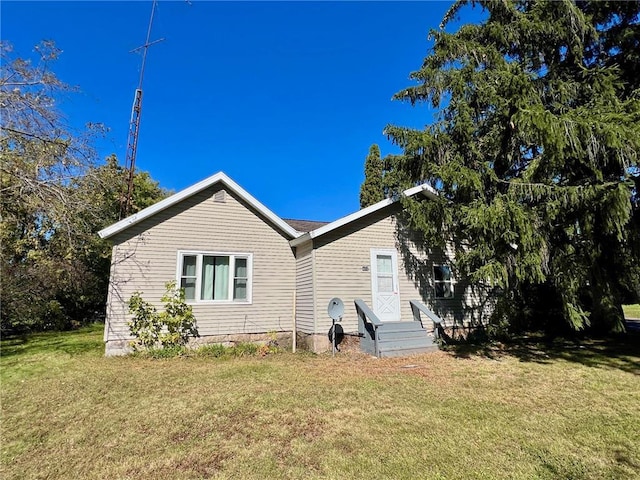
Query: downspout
{"x":313,"y":291}
{"x":294,"y":333}
{"x":105,"y":337}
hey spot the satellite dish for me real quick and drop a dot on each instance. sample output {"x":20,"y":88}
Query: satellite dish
{"x":335,"y":308}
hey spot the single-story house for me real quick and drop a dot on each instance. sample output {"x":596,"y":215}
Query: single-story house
{"x":249,"y":273}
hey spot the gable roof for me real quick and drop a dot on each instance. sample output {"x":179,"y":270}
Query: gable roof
{"x":219,"y":177}
{"x":424,"y":189}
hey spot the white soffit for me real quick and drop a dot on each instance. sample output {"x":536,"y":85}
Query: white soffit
{"x":219,"y":177}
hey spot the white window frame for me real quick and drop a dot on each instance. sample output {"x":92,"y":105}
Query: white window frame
{"x":232,"y":270}
{"x":436,"y":282}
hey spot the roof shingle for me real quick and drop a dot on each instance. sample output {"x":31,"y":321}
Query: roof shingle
{"x":304,"y":225}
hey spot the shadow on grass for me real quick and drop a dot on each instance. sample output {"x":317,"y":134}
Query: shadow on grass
{"x":77,"y":342}
{"x":617,"y":352}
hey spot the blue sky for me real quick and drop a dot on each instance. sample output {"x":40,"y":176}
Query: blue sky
{"x":284,"y":97}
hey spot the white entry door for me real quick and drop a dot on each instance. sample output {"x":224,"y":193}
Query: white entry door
{"x":384,"y":284}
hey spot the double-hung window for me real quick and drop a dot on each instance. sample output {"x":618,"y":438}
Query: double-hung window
{"x":443,"y":281}
{"x":215,"y":277}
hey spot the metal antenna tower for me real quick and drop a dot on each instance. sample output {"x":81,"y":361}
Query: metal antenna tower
{"x":134,"y":123}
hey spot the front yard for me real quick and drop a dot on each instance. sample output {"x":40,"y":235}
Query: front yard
{"x":631,"y":311}
{"x":528,"y":411}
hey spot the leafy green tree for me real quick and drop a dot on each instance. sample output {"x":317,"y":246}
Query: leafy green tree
{"x":535,"y":154}
{"x":101,"y":190}
{"x":40,"y":157}
{"x":372,"y":189}
{"x":54,"y":197}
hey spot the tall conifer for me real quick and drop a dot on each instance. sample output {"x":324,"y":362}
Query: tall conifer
{"x":535,"y":152}
{"x":372,"y":189}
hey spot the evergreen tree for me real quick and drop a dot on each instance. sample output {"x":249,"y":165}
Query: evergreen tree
{"x":535,"y":153}
{"x":372,"y":189}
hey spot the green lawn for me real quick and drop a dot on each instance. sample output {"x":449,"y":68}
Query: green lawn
{"x":631,"y":311}
{"x":529,"y":411}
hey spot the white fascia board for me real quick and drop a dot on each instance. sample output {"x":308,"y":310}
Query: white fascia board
{"x":192,"y":190}
{"x":425,"y":189}
{"x":351,"y":218}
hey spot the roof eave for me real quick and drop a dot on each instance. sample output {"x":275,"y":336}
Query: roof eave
{"x":425,"y":189}
{"x":192,"y":190}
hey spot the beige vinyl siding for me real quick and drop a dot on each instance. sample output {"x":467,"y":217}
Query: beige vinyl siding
{"x":342,"y":266}
{"x":305,"y":320}
{"x":146,"y":256}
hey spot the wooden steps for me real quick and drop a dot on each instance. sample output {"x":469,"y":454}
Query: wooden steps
{"x":403,"y":338}
{"x":393,"y":339}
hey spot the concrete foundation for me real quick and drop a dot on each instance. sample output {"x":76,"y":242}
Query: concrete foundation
{"x":319,"y":343}
{"x":283,"y":339}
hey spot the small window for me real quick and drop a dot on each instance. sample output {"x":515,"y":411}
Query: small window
{"x":188,"y":278}
{"x":443,"y":281}
{"x":212,"y":277}
{"x":240,"y":279}
{"x":384,"y":269}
